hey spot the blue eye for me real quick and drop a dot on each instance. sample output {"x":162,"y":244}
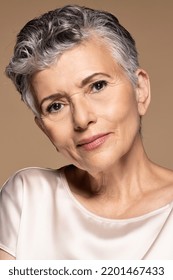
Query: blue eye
{"x":54,"y":107}
{"x":98,"y":86}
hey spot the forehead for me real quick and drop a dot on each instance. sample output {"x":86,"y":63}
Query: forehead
{"x":89,"y":54}
{"x":75,"y":65}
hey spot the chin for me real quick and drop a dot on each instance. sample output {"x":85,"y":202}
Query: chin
{"x":99,"y":163}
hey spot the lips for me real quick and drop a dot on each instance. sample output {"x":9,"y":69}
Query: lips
{"x":93,"y":142}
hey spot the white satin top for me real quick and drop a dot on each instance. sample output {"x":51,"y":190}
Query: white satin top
{"x":41,"y":219}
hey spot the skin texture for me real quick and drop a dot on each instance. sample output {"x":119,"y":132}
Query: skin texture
{"x":113,"y":110}
{"x":97,"y":129}
{"x":113,"y":176}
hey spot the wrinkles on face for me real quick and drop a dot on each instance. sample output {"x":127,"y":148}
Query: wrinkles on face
{"x":111,"y":110}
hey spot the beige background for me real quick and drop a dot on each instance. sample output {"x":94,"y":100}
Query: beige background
{"x":151,"y":23}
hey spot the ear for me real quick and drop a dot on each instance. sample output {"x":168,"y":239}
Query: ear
{"x":143,"y":96}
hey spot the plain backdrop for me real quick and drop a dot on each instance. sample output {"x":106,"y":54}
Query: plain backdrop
{"x":22,"y":144}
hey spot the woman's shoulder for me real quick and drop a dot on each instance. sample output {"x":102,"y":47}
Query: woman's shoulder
{"x":161,"y":174}
{"x":164,"y":184}
{"x":166,"y":175}
{"x":169,"y":183}
{"x":33,"y":176}
{"x":34,"y":171}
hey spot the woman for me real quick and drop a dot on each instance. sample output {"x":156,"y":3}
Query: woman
{"x":77,"y":69}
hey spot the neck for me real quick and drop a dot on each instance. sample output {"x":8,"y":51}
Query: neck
{"x":125,"y":180}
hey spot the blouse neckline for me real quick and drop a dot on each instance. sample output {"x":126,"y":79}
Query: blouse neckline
{"x":109,"y":220}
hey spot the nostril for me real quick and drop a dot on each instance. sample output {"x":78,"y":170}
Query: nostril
{"x":83,"y":113}
{"x":83,"y":122}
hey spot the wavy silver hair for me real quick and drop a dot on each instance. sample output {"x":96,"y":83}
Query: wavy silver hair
{"x":43,"y":39}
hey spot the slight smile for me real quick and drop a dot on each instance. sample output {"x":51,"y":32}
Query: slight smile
{"x":93,"y":142}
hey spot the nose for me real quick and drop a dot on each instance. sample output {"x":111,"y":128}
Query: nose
{"x":83,"y":113}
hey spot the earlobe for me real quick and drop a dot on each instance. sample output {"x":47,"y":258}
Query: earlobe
{"x":142,"y":91}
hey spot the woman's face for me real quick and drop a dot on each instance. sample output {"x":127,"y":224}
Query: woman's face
{"x":90,"y":111}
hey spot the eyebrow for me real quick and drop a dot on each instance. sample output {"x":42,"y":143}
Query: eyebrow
{"x":83,"y":83}
{"x":89,"y":78}
{"x":50,"y":97}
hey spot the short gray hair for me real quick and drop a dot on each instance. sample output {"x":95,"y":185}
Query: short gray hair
{"x":42,"y":40}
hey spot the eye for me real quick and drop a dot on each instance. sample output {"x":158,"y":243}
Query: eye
{"x":54,"y":107}
{"x":98,"y":86}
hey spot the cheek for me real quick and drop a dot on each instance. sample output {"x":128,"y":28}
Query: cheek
{"x":129,"y":126}
{"x":122,"y":111}
{"x":58,"y":135}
